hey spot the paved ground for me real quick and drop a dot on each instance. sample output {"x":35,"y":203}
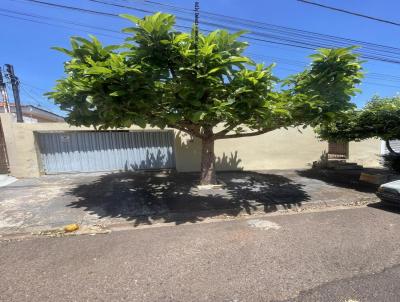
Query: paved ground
{"x":382,"y":286}
{"x":323,"y":256}
{"x":145,"y":198}
{"x":5,"y":180}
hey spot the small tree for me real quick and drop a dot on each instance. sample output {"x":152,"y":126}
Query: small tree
{"x":380,"y":118}
{"x":205,"y":87}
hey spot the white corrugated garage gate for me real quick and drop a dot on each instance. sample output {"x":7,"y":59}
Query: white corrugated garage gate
{"x":96,"y":151}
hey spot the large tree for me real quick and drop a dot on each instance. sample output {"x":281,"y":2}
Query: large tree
{"x":380,"y":118}
{"x":203,"y":85}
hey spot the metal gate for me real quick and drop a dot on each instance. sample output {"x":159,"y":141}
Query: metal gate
{"x":3,"y":153}
{"x":395,"y":144}
{"x":95,"y":151}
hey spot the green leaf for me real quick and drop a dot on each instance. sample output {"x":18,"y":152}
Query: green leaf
{"x":155,"y":78}
{"x":63,"y":50}
{"x":131,"y":18}
{"x":140,"y":122}
{"x":197,"y":116}
{"x":214,"y":70}
{"x":118,"y":93}
{"x":98,"y":70}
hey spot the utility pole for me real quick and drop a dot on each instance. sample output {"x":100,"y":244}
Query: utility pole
{"x":3,"y":93}
{"x":196,"y":31}
{"x":15,"y":88}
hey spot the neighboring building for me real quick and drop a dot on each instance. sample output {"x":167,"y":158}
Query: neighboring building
{"x":30,"y":115}
{"x":33,"y":114}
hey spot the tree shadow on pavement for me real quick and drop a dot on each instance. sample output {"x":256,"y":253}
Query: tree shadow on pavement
{"x":143,"y":197}
{"x":393,"y":208}
{"x":340,"y":178}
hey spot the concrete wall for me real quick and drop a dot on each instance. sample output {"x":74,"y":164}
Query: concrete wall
{"x":22,"y":151}
{"x":366,"y":153}
{"x":280,"y":149}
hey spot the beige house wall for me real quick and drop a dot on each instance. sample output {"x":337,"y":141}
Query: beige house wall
{"x":21,"y":147}
{"x":366,"y":153}
{"x":280,"y":149}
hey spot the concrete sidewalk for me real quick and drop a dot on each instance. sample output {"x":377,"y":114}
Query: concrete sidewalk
{"x":6,"y":180}
{"x":32,"y":205}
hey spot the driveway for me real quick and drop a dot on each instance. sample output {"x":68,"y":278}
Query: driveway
{"x":332,"y":256}
{"x":32,"y":205}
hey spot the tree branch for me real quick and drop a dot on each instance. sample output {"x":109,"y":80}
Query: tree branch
{"x":183,"y":129}
{"x":222,"y":133}
{"x":237,"y":135}
{"x":189,"y":128}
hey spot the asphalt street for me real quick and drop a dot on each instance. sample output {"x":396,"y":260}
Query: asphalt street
{"x":382,"y":286}
{"x":341,"y":255}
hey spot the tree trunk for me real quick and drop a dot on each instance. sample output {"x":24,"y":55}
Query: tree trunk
{"x":207,"y":175}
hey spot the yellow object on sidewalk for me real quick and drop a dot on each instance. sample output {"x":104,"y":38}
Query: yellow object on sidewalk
{"x":71,"y":227}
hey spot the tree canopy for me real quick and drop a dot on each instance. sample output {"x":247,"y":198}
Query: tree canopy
{"x":380,"y":118}
{"x":206,"y":87}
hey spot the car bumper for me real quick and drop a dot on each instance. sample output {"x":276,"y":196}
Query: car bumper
{"x":389,"y":197}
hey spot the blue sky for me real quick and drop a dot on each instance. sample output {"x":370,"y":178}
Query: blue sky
{"x":27,"y":45}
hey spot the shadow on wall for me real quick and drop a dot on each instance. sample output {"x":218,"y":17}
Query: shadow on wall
{"x":165,"y":160}
{"x":188,"y":154}
{"x":230,"y":163}
{"x":174,"y":197}
{"x":160,"y":160}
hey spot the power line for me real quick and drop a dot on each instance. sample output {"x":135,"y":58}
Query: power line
{"x":35,"y":87}
{"x":31,"y":97}
{"x":59,"y":19}
{"x":386,"y":75}
{"x":92,"y":11}
{"x":116,"y":15}
{"x":290,"y":41}
{"x":178,"y":26}
{"x":350,"y":12}
{"x":285,"y":42}
{"x":309,"y":46}
{"x":263,"y":25}
{"x":38,"y":102}
{"x":278,"y":59}
{"x":54,"y":25}
{"x":372,"y":55}
{"x":302,"y":64}
{"x":122,"y":6}
{"x":379,"y":84}
{"x":72,"y":8}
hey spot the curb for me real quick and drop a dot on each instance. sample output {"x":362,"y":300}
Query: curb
{"x":193,"y":217}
